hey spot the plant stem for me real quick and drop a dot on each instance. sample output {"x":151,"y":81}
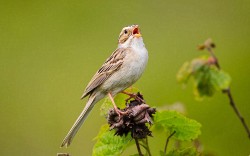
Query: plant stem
{"x":228,"y":92}
{"x":148,"y":149}
{"x":210,"y":50}
{"x":165,"y":149}
{"x":138,"y":147}
{"x":145,"y":146}
{"x":208,"y":44}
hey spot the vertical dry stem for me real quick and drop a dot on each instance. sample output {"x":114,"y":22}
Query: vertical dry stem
{"x":138,"y":147}
{"x":209,"y":45}
{"x":165,"y":149}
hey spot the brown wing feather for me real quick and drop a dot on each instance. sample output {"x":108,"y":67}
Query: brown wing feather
{"x":112,"y":64}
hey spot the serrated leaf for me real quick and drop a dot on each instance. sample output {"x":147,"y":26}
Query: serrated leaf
{"x":109,"y":144}
{"x":120,"y":100}
{"x":221,"y":80}
{"x":207,"y":78}
{"x":203,"y":82}
{"x":170,"y":121}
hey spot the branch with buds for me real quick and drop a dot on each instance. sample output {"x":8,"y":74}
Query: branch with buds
{"x":209,"y":46}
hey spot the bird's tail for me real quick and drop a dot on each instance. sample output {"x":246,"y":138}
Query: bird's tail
{"x":78,"y":123}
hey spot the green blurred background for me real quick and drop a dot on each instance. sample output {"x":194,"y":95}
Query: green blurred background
{"x":49,"y":50}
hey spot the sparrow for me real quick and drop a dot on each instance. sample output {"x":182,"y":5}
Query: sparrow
{"x":120,"y":71}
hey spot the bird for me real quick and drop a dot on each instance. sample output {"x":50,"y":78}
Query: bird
{"x":120,"y":71}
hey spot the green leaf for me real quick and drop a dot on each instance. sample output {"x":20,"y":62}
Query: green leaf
{"x":221,"y":80}
{"x":188,"y":69}
{"x":207,"y":77}
{"x":203,"y":82}
{"x":109,"y":144}
{"x":120,"y":100}
{"x":170,"y":121}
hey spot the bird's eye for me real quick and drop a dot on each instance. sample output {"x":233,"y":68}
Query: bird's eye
{"x":125,"y":31}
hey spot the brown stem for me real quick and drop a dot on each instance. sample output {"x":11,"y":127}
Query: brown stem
{"x":145,"y":146}
{"x":230,"y":97}
{"x":148,"y":149}
{"x":210,"y":50}
{"x":165,"y":149}
{"x":209,"y":46}
{"x":138,"y":147}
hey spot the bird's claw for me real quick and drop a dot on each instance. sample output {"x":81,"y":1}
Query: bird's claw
{"x":120,"y":113}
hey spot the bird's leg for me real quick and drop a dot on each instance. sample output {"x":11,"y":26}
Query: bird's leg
{"x":131,"y":95}
{"x":119,"y":112}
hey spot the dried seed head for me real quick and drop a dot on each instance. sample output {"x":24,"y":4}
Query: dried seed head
{"x":133,"y":119}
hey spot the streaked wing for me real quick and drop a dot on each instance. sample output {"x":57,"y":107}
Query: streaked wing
{"x":112,"y":64}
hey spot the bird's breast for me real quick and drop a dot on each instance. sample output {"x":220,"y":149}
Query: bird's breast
{"x":133,"y":66}
{"x":131,"y":70}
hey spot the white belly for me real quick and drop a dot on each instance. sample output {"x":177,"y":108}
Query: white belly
{"x":130,"y":71}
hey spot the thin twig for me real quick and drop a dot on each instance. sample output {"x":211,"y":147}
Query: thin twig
{"x":209,"y":45}
{"x":210,"y":50}
{"x":149,"y":153}
{"x":147,"y":146}
{"x":138,"y":147}
{"x":165,"y":149}
{"x":228,"y":92}
{"x":144,"y":146}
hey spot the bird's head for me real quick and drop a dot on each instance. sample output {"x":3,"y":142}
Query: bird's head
{"x":128,"y":34}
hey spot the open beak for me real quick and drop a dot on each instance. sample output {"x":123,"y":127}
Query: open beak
{"x":136,"y":32}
